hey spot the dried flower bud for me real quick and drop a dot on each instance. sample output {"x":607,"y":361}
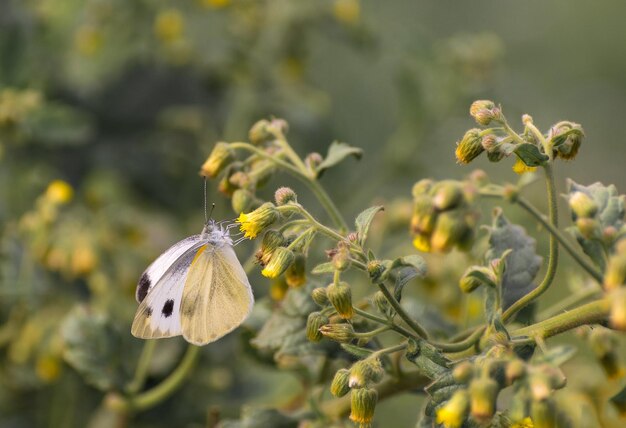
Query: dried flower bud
{"x":221,"y":156}
{"x":258,"y":220}
{"x":483,"y":394}
{"x":260,"y":134}
{"x":342,"y":333}
{"x":582,"y":205}
{"x":364,"y":372}
{"x":617,"y":313}
{"x":463,"y":372}
{"x":469,"y":147}
{"x":454,"y":412}
{"x":448,"y":195}
{"x":279,"y":262}
{"x":243,"y":200}
{"x":340,"y":296}
{"x":285,"y":195}
{"x":339,"y":386}
{"x":341,"y":259}
{"x":319,"y":296}
{"x":362,"y":405}
{"x":296,"y":272}
{"x":484,"y":111}
{"x":566,"y":138}
{"x":490,"y":143}
{"x":313,"y":324}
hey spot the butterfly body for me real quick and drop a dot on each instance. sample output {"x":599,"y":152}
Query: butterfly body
{"x":196,"y":288}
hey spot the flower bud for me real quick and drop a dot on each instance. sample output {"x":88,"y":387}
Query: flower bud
{"x":588,"y":227}
{"x":319,"y":296}
{"x":381,"y":302}
{"x":313,"y":324}
{"x":260,"y":133}
{"x":221,"y":156}
{"x":615,"y":274}
{"x":422,"y":243}
{"x":566,"y":138}
{"x":278,"y":289}
{"x":605,"y":346}
{"x":364,"y":372}
{"x":519,"y":167}
{"x":296,"y":272}
{"x":454,"y":412}
{"x":469,"y":147}
{"x":339,"y":386}
{"x":449,"y":231}
{"x":59,"y":192}
{"x":483,"y":394}
{"x":362,"y":405}
{"x":422,"y":187}
{"x":448,"y":195}
{"x":378,"y":270}
{"x":285,"y":195}
{"x":484,"y":111}
{"x":340,"y":296}
{"x":490,"y":143}
{"x":463,"y":372}
{"x":617,"y":313}
{"x":312,"y":161}
{"x":475,"y":276}
{"x":258,"y":220}
{"x":243,"y":200}
{"x":342,"y":333}
{"x":515,"y":370}
{"x":424,"y":216}
{"x":279,"y":262}
{"x":543,"y":414}
{"x":582,"y":205}
{"x":341,"y":259}
{"x":272,"y":239}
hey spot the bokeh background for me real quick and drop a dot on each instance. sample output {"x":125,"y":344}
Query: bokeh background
{"x":109,"y":107}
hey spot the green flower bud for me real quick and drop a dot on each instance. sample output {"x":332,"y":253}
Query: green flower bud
{"x":617,"y":314}
{"x":515,"y":370}
{"x":484,"y":111}
{"x":364,"y":372}
{"x":220,"y":157}
{"x":260,"y":172}
{"x":243,"y":200}
{"x":260,"y":133}
{"x":469,"y":147}
{"x":285,"y":195}
{"x":339,"y":386}
{"x":378,"y":270}
{"x":424,"y":216}
{"x":279,"y":262}
{"x":295,"y":275}
{"x":342,"y":333}
{"x":362,"y":405}
{"x":258,"y":220}
{"x":272,"y":239}
{"x":450,"y":229}
{"x":490,"y":143}
{"x":454,"y":412}
{"x":340,"y":296}
{"x":422,"y":187}
{"x":319,"y":296}
{"x":566,"y":138}
{"x":448,"y":195}
{"x":483,"y":393}
{"x":463,"y":372}
{"x":582,"y":205}
{"x":312,"y":161}
{"x":615,"y":275}
{"x":313,"y":324}
{"x":381,"y":302}
{"x":588,"y":227}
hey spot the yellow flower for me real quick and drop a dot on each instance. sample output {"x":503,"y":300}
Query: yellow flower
{"x":215,"y":4}
{"x":169,"y":25}
{"x":48,"y":368}
{"x":347,"y":11}
{"x":59,"y":192}
{"x":453,"y":413}
{"x":422,"y":243}
{"x":280,"y":261}
{"x":524,"y":423}
{"x":253,"y":223}
{"x":521,"y":168}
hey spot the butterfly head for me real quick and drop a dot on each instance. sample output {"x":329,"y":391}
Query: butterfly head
{"x":217,"y":233}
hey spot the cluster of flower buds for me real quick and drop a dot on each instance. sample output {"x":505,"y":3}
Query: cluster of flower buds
{"x":443,"y":216}
{"x":566,"y":138}
{"x":240,"y":179}
{"x":358,"y":382}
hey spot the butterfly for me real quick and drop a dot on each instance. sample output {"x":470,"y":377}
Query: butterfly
{"x":196,"y":288}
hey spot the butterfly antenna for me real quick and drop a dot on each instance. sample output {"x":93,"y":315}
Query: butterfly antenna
{"x":206,"y":217}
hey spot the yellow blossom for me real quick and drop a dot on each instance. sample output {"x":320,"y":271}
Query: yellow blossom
{"x":347,"y":11}
{"x":169,"y":25}
{"x":524,"y":423}
{"x":521,"y":168}
{"x":253,"y":223}
{"x":453,"y":413}
{"x":59,"y":192}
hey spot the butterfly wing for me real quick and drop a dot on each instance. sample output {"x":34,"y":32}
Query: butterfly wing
{"x":217,"y":296}
{"x":158,"y":314}
{"x":157,"y":269}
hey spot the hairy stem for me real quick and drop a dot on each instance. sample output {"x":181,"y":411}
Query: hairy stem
{"x":401,"y":312}
{"x":383,"y":321}
{"x":142,"y":367}
{"x":553,"y":257}
{"x":466,"y":343}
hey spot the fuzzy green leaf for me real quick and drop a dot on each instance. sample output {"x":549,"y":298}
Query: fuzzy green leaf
{"x":327,"y":267}
{"x":530,"y":154}
{"x":364,"y":220}
{"x":522,"y":264}
{"x":357,"y":351}
{"x":407,"y":268}
{"x":336,"y":153}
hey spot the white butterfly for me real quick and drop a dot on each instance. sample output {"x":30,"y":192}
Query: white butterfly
{"x":196,"y":288}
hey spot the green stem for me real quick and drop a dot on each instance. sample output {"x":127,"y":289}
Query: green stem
{"x":569,"y":301}
{"x":590,"y":313}
{"x":390,"y":350}
{"x":160,"y":392}
{"x":401,"y":312}
{"x":553,"y":257}
{"x":369,"y":334}
{"x":142,"y":367}
{"x":383,"y":321}
{"x":464,"y":344}
{"x":512,"y":133}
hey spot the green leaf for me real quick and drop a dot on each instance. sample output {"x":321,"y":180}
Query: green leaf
{"x":407,"y":268}
{"x":522,"y":264}
{"x":427,"y":358}
{"x":58,"y":124}
{"x":336,"y":153}
{"x":619,"y":400}
{"x":357,"y":351}
{"x":530,"y":154}
{"x":327,"y":267}
{"x":364,"y":220}
{"x":93,"y":348}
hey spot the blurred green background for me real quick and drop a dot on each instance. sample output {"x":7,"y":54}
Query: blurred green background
{"x":123,"y":101}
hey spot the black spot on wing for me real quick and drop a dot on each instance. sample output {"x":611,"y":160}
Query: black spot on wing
{"x":143,"y":287}
{"x":168,"y":308}
{"x":148,"y":312}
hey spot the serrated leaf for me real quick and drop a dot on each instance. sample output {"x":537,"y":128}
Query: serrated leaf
{"x":357,"y":351}
{"x":522,"y":265}
{"x":530,"y":154}
{"x":93,"y":348}
{"x":327,"y":267}
{"x":364,"y":220}
{"x":336,"y":153}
